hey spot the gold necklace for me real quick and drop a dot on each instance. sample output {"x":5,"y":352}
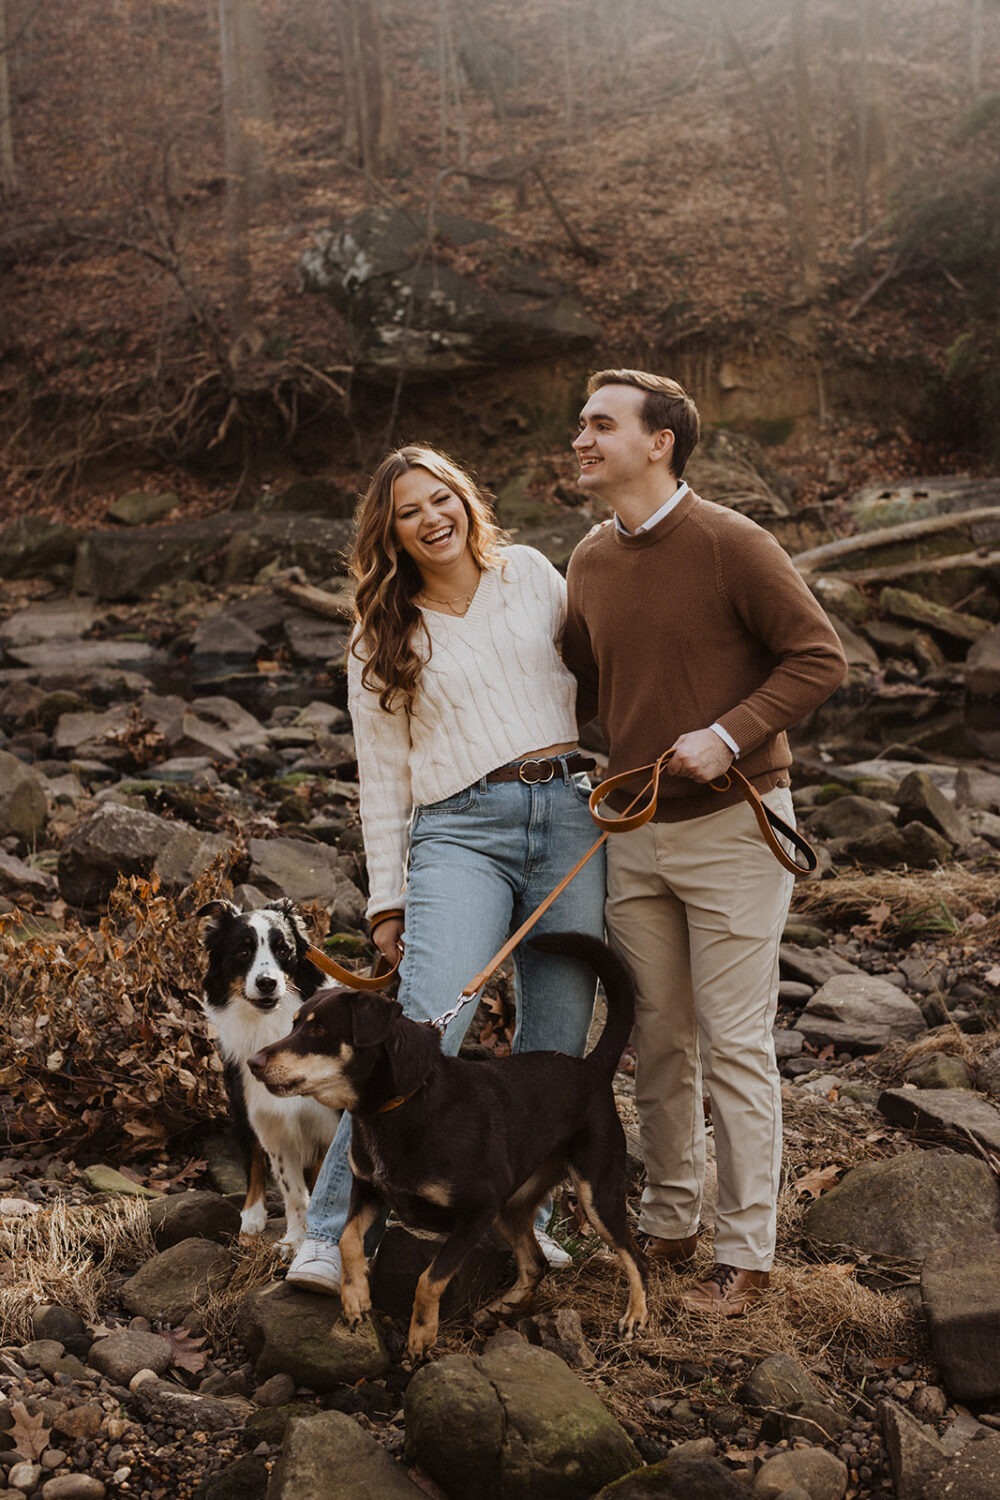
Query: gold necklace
{"x":450,"y":604}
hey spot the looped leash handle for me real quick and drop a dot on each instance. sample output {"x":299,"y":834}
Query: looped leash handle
{"x":378,"y":980}
{"x":628,"y":819}
{"x":770,"y":824}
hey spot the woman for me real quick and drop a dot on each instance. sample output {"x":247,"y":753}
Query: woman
{"x":472,"y":803}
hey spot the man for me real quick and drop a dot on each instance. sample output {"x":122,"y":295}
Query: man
{"x":688,"y":628}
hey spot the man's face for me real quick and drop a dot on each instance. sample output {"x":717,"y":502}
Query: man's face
{"x":613,"y":448}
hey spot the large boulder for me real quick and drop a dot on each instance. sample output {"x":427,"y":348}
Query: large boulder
{"x":113,"y":841}
{"x":513,"y":1423}
{"x":908,"y":1205}
{"x":304,"y":1335}
{"x":411,"y":311}
{"x":960,"y":1287}
{"x":175,"y":1281}
{"x":329,"y":1456}
{"x":33,"y":548}
{"x":860,"y":1013}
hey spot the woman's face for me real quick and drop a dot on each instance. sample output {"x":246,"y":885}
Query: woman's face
{"x":430,"y":520}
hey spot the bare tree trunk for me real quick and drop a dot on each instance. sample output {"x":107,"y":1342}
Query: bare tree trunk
{"x":256,"y":99}
{"x":8,"y":175}
{"x":976,"y":46}
{"x":236,"y":168}
{"x":807,"y":151}
{"x":369,"y":117}
{"x":864,"y":116}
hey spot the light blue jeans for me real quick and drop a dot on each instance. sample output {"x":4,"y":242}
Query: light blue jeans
{"x":480,"y":862}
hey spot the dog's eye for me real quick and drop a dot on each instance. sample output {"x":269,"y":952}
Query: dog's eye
{"x":281,"y":951}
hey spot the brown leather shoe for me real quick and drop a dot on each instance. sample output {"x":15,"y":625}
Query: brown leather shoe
{"x":672,"y":1252}
{"x":726,"y":1291}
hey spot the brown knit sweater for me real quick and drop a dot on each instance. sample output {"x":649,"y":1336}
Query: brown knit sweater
{"x":701,"y":620}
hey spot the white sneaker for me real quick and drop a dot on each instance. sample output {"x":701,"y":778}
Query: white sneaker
{"x":557,"y":1257}
{"x":316,"y":1267}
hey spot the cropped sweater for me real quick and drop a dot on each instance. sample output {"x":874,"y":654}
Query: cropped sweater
{"x":492,"y":687}
{"x":703,"y":619}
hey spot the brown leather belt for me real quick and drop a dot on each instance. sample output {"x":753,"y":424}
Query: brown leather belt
{"x":534,"y":772}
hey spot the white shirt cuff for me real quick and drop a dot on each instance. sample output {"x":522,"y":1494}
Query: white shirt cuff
{"x":726,"y":738}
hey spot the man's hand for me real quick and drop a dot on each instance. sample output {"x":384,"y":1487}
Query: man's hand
{"x":701,"y":756}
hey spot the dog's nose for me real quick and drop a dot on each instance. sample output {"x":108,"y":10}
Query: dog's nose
{"x":266,"y":984}
{"x":257,"y":1063}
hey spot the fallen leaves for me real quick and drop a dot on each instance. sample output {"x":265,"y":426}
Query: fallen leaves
{"x":816,"y":1181}
{"x":29,"y":1434}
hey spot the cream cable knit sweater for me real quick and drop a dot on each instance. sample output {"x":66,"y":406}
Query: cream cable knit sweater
{"x":493,"y":688}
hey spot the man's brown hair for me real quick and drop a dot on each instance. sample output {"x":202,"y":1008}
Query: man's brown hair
{"x":665,"y":405}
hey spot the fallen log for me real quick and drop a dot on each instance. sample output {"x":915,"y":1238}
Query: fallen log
{"x":818,"y":559}
{"x":324,"y":602}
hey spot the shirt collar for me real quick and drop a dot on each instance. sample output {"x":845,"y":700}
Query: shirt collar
{"x":657,"y":515}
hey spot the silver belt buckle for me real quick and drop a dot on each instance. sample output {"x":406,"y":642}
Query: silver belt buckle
{"x":541,"y":778}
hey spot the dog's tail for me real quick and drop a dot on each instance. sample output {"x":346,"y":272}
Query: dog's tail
{"x":619,"y":988}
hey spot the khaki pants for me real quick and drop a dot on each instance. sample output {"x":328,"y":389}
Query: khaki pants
{"x":697,"y":909}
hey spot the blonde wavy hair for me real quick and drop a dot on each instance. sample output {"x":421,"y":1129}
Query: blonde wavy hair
{"x":388,"y":580}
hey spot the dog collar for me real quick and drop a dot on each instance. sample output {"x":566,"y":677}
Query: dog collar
{"x":399,"y":1099}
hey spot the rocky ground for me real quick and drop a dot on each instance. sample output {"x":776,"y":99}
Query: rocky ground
{"x":172,"y":729}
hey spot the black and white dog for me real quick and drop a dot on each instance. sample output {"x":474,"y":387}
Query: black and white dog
{"x":258,"y":975}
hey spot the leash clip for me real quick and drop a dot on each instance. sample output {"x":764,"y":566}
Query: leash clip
{"x":442,"y":1022}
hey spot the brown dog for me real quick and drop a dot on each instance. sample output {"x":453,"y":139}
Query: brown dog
{"x":455,"y":1145}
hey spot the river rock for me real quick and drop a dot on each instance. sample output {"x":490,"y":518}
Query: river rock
{"x":306,"y":873}
{"x":122,"y":1355}
{"x":194,"y":1214}
{"x":304,"y":1334}
{"x":920,"y":801}
{"x":859,"y":1013}
{"x":908,"y":1205}
{"x":939,"y":1112}
{"x":682,"y":1475}
{"x":329,"y":1455}
{"x":974,"y":1474}
{"x":915,"y":1454}
{"x":960,"y":1287}
{"x":23,"y":803}
{"x":113,"y":841}
{"x":822,"y":1475}
{"x":778,"y":1381}
{"x":515,"y":1423}
{"x":177,"y":1280}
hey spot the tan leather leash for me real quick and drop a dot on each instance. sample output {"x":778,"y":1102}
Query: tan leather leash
{"x":769,"y":822}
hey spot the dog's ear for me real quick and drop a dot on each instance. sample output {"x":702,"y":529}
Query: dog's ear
{"x":292,"y":916}
{"x":213,"y":915}
{"x":412,"y":1052}
{"x":372,"y":1018}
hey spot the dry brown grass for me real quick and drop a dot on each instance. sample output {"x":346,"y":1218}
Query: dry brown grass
{"x":257,"y":1261}
{"x":68,"y":1255}
{"x":916,"y":901}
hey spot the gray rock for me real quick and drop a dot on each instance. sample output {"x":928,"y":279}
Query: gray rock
{"x":195,"y":1214}
{"x":246,"y":1479}
{"x":813,"y":966}
{"x":73,"y":1487}
{"x":822,"y":1475}
{"x":122,"y":1355}
{"x":55,"y":620}
{"x":159,"y":1400}
{"x":408,"y":311}
{"x":51,"y":1321}
{"x":328,"y":1457}
{"x":278,"y":1390}
{"x":306,"y":873}
{"x":939,"y":1070}
{"x":988,"y":1074}
{"x":960,"y":1287}
{"x":920,"y":801}
{"x":982,"y":666}
{"x":857,"y":651}
{"x":18,"y":880}
{"x":101,"y":1178}
{"x":23,"y":803}
{"x":513,"y":1422}
{"x":177,"y":1280}
{"x":561,"y":1333}
{"x":113,"y":841}
{"x":858,"y":1013}
{"x":778,"y":1381}
{"x":888,"y":847}
{"x":938,"y":1112}
{"x":973,"y":1475}
{"x":304,"y":1335}
{"x":33,"y":548}
{"x":77,"y":660}
{"x":41,"y":1354}
{"x":222,"y":637}
{"x":186,"y":854}
{"x":787,"y":1043}
{"x":908,"y":1205}
{"x":241,"y":728}
{"x":915,"y":1454}
{"x":816,"y":1421}
{"x":848,"y":817}
{"x":136,"y":508}
{"x":682,"y":1475}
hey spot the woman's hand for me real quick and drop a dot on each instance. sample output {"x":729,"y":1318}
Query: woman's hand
{"x":387,"y":938}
